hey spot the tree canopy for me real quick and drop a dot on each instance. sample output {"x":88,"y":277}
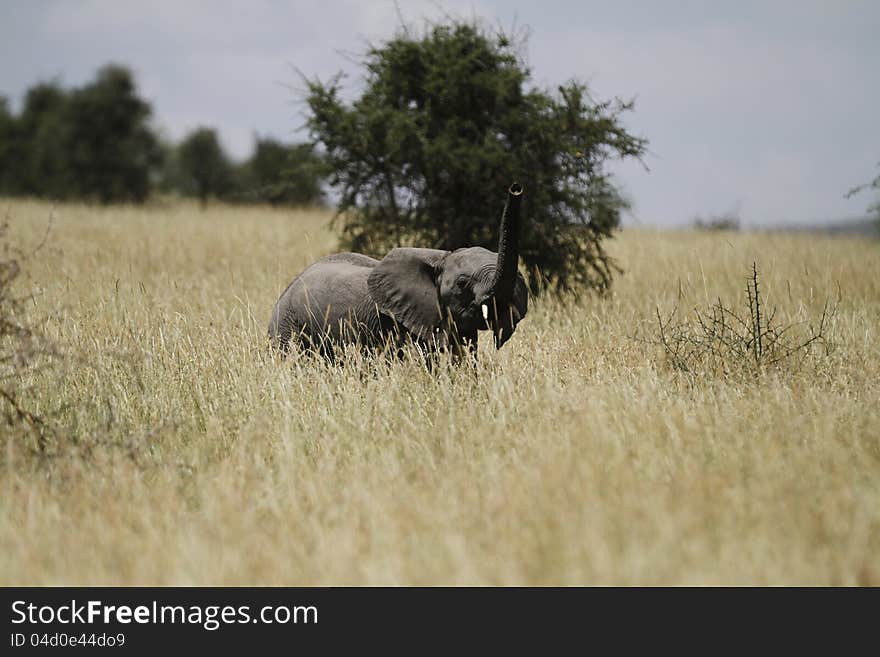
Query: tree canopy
{"x":93,"y":142}
{"x":112,"y":147}
{"x":283,"y":174}
{"x":97,"y":143}
{"x":446,"y":121}
{"x":204,"y":168}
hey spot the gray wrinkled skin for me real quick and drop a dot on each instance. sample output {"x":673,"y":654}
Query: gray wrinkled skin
{"x":431,"y":297}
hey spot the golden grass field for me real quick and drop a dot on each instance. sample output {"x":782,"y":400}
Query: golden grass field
{"x":183,"y":454}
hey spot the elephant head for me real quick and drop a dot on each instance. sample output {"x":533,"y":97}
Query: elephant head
{"x":454,"y":294}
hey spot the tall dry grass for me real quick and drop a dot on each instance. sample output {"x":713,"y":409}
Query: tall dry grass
{"x":182,"y":453}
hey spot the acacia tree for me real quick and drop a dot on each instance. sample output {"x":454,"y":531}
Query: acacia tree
{"x":444,"y":124}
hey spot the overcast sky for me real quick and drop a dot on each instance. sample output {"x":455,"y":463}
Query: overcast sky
{"x":766,"y":107}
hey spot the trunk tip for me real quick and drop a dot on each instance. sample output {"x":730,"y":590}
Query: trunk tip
{"x":516,"y":189}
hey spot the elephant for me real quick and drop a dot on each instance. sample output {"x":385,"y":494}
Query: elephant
{"x":437,"y":299}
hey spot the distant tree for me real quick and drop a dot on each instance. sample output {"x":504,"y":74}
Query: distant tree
{"x":717,"y":222}
{"x":94,"y":142}
{"x":728,"y":220}
{"x":41,"y":143}
{"x":283,"y":174}
{"x":9,"y":178}
{"x":444,"y":124}
{"x":170,"y":179}
{"x":875,"y":185}
{"x":204,"y":167}
{"x":112,"y":149}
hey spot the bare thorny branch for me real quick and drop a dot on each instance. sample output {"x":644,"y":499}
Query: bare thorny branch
{"x":720,"y":339}
{"x":21,"y":342}
{"x":25,"y":350}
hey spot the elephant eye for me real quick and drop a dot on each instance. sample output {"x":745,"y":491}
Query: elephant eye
{"x":463,"y":291}
{"x":463,"y":288}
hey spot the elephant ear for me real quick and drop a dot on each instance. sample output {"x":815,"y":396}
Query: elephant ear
{"x":404,"y":286}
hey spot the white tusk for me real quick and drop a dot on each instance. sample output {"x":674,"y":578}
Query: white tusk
{"x":485,"y":311}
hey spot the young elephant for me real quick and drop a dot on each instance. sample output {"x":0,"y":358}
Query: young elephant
{"x":438,"y":299}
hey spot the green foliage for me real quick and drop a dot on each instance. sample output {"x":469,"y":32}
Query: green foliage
{"x":724,"y":221}
{"x":91,"y":143}
{"x":283,"y":174}
{"x":875,"y":185}
{"x":444,"y":124}
{"x":38,"y":157}
{"x":170,"y":178}
{"x":276,"y":173}
{"x":205,"y":170}
{"x":112,"y":149}
{"x":8,"y":147}
{"x":95,"y":143}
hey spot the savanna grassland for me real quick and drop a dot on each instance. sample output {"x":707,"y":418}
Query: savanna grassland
{"x":178,"y":451}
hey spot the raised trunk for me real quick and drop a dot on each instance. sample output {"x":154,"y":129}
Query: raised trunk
{"x":508,"y":247}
